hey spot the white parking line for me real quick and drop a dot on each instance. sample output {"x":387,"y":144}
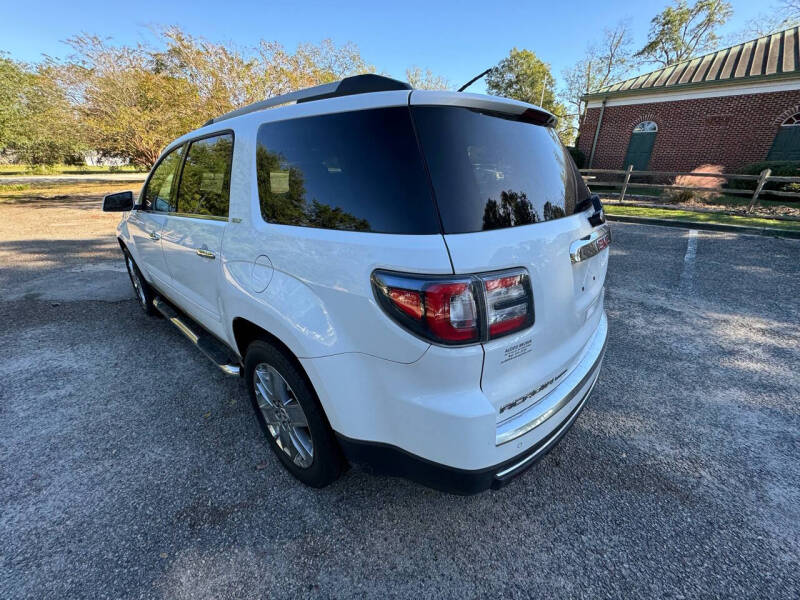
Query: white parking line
{"x":688,"y":259}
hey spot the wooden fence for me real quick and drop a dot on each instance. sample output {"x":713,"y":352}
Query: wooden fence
{"x":591,"y":177}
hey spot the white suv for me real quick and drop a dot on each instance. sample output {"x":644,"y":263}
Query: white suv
{"x":408,"y":280}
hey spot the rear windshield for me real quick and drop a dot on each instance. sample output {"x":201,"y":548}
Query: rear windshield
{"x":491,"y":172}
{"x":355,"y":171}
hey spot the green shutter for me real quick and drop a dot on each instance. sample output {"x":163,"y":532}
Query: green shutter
{"x":787,"y":144}
{"x":639,"y":150}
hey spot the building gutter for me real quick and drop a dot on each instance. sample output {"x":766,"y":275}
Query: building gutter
{"x":712,"y":84}
{"x":597,"y":132}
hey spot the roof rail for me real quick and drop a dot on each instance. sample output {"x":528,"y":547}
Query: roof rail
{"x":357,"y":84}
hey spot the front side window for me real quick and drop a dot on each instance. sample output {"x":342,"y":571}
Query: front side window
{"x":204,"y":187}
{"x":490,"y":171}
{"x":354,"y":171}
{"x":158,"y":193}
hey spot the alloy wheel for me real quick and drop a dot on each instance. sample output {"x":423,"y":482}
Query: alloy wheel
{"x":285,"y":419}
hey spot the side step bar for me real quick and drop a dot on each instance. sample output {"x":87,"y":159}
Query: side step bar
{"x":215,"y":350}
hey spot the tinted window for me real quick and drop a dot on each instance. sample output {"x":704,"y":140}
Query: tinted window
{"x":491,"y":172}
{"x":205,"y":182}
{"x":358,"y":171}
{"x":158,"y":193}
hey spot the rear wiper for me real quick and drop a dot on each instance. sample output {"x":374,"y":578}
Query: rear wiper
{"x":598,"y":217}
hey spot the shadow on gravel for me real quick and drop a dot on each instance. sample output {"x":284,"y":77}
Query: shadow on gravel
{"x":89,"y":269}
{"x":44,"y":257}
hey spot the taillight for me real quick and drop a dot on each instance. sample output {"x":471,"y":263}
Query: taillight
{"x":457,"y":310}
{"x":509,"y":303}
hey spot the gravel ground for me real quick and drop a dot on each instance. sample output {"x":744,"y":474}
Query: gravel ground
{"x":130,"y":467}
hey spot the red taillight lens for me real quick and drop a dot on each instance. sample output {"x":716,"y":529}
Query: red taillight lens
{"x":451,"y":312}
{"x":457,"y":309}
{"x":408,"y":301}
{"x":509,"y":303}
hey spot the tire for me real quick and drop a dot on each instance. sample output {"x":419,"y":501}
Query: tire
{"x":141,"y":289}
{"x":295,"y":425}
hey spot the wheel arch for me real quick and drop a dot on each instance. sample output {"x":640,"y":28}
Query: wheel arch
{"x":246,"y":332}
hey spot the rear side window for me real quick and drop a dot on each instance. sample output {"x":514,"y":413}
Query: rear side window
{"x":158,"y":193}
{"x":491,"y":172}
{"x":204,"y":187}
{"x":355,"y":171}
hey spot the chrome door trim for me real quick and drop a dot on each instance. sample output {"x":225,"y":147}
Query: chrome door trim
{"x":194,"y":216}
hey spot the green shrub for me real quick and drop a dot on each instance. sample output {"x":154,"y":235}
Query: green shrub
{"x":577,"y":155}
{"x":779,"y":168}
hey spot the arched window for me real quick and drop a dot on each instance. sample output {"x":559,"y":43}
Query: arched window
{"x":643,"y":138}
{"x":787,"y":141}
{"x":645,"y":127}
{"x":792,"y":121}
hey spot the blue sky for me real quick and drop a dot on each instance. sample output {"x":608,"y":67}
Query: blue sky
{"x":454,"y":39}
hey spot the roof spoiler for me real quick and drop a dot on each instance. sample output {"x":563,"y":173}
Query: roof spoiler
{"x":521,"y":111}
{"x":357,"y":84}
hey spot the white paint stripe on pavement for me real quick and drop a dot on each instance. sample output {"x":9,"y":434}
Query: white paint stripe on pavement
{"x":688,"y":258}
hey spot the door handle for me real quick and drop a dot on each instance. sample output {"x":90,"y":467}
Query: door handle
{"x":154,"y":236}
{"x":205,"y":253}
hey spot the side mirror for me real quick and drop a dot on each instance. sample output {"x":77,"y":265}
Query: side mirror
{"x":119,"y":202}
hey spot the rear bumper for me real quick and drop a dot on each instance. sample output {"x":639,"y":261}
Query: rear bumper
{"x":557,"y":413}
{"x":431,"y":422}
{"x":384,"y":459}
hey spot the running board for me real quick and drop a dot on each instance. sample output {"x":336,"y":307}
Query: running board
{"x":215,"y":350}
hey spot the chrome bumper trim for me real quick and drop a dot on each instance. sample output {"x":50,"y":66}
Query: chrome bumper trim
{"x":552,"y":403}
{"x":556,"y":436}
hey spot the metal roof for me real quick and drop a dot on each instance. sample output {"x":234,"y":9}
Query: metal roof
{"x":773,"y":56}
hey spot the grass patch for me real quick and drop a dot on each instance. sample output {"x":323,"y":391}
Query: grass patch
{"x":698,"y":217}
{"x":66,"y":169}
{"x":14,"y":187}
{"x":731,"y":200}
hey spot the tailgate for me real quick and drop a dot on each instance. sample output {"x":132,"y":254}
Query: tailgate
{"x":520,"y":369}
{"x":509,"y":196}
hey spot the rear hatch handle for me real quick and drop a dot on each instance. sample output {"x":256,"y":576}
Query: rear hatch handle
{"x":590,"y":245}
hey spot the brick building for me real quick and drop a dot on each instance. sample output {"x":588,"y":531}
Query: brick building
{"x":729,"y":108}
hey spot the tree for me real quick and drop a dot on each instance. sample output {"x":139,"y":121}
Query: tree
{"x":426,"y":80}
{"x":129,"y":107}
{"x":281,"y":71}
{"x":133,"y":100}
{"x":523,"y":76}
{"x":37,"y":122}
{"x":782,"y":16}
{"x":603,"y":63}
{"x":680,"y":31}
{"x":13,"y":81}
{"x":229,"y":77}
